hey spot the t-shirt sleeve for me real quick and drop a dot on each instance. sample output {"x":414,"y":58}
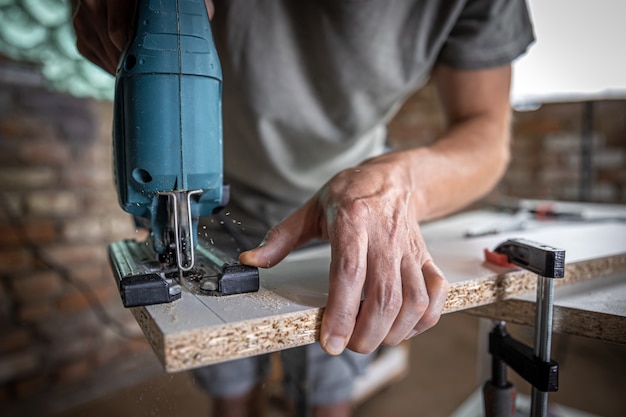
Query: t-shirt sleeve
{"x":488,"y":33}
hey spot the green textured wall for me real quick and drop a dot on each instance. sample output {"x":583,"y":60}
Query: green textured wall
{"x":40,"y":31}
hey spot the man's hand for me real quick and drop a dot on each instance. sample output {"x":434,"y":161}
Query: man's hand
{"x":370,"y":216}
{"x":103,"y":27}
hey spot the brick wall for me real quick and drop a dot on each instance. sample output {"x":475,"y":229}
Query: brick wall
{"x":546,"y":147}
{"x":58,"y":210}
{"x":547,"y":160}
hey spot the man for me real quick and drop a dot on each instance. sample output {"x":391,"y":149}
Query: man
{"x":308,"y":90}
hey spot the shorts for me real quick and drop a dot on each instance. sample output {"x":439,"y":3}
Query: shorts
{"x":308,"y":371}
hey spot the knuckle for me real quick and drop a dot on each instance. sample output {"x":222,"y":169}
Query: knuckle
{"x":343,"y":317}
{"x":416,"y":247}
{"x":440,"y":289}
{"x":354,"y":209}
{"x":350,"y":269}
{"x":340,"y":315}
{"x":361,"y":346}
{"x":445,"y":285}
{"x":388,"y":300}
{"x":392,"y":341}
{"x":416,"y":301}
{"x":430,"y":319}
{"x":273,"y":232}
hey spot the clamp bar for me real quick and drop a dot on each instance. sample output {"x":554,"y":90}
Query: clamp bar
{"x":534,"y":365}
{"x":543,"y":340}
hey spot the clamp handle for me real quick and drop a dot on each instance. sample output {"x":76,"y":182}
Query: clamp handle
{"x":541,"y":259}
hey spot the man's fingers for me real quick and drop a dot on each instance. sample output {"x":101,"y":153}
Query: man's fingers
{"x":91,"y":25}
{"x":210,"y":8}
{"x":275,"y":247}
{"x":414,"y":301}
{"x":438,"y":287}
{"x":295,"y":230}
{"x":120,"y":19}
{"x":348,"y":267}
{"x":382,"y":303}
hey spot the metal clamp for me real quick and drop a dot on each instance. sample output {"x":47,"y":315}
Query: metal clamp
{"x":534,"y":365}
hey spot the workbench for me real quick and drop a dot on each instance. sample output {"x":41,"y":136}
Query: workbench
{"x":201,"y":330}
{"x":595,"y":309}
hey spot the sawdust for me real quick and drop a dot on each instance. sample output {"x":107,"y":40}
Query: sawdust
{"x":263,"y":299}
{"x":268,"y":300}
{"x":169,"y":307}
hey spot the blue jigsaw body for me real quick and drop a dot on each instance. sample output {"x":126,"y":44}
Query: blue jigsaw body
{"x":167,"y":128}
{"x":167,"y":147}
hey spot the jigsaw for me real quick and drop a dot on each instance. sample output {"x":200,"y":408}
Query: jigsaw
{"x":167,"y":148}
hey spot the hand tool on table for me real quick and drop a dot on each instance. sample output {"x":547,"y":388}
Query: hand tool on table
{"x":534,"y":365}
{"x":167,"y":140}
{"x":525,"y":214}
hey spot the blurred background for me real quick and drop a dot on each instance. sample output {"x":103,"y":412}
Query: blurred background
{"x":67,"y":346}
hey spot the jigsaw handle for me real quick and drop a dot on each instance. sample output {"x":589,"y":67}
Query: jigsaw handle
{"x":167,"y":124}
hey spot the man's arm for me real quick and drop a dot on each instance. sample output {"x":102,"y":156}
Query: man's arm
{"x":371,"y":214}
{"x":473,"y":154}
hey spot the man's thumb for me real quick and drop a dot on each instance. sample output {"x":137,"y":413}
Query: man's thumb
{"x":280,"y":241}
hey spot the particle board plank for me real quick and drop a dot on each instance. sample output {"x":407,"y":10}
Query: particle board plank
{"x":201,"y":330}
{"x":595,"y":309}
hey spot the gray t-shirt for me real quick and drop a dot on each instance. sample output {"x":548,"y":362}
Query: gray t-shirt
{"x":309,"y":86}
